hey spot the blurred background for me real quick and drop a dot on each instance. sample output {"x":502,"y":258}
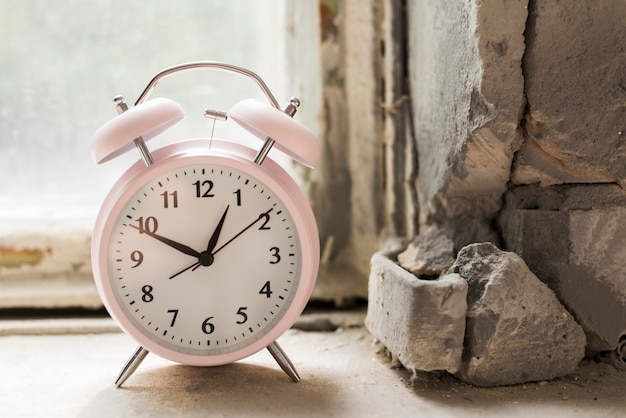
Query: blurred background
{"x":62,"y":64}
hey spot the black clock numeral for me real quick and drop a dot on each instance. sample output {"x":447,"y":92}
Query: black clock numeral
{"x":266,"y":290}
{"x":207,"y":326}
{"x":276,"y":254}
{"x":150,"y":225}
{"x":203,"y":189}
{"x":238,"y":194}
{"x":137,"y":257}
{"x":174,"y":313}
{"x":147,"y":293}
{"x":244,"y":317}
{"x":166,"y":199}
{"x":266,"y":219}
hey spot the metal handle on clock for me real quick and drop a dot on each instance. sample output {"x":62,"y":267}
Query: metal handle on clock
{"x":290,"y":109}
{"x":208,"y":64}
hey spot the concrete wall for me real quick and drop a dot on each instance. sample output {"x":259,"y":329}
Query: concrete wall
{"x":569,"y":173}
{"x":514,"y":103}
{"x":467,"y":95}
{"x":576,"y":89}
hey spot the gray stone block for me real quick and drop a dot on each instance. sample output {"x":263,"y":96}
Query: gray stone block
{"x":517,"y":331}
{"x":582,"y":264}
{"x":421,"y":322}
{"x":574,"y":81}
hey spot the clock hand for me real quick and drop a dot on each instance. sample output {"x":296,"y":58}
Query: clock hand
{"x":196,"y":264}
{"x":176,"y":245}
{"x":206,"y":258}
{"x":216,"y":234}
{"x":264,"y":215}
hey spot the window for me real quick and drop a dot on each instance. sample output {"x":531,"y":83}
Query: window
{"x":62,"y":66}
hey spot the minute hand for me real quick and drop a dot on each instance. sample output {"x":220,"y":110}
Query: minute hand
{"x":263,"y":215}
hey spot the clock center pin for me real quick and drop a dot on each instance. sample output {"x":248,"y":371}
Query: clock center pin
{"x":206,"y":258}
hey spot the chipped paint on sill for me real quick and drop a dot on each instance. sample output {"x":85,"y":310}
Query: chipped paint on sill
{"x":12,"y":257}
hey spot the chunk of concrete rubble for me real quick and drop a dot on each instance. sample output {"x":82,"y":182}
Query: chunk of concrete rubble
{"x":430,"y":253}
{"x":421,"y":322}
{"x":517,"y":331}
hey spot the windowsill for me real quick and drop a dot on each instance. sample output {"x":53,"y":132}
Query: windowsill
{"x":62,"y":278}
{"x":45,"y":263}
{"x":72,"y":375}
{"x":56,"y":270}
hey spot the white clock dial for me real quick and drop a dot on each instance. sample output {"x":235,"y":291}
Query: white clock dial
{"x":204,"y":259}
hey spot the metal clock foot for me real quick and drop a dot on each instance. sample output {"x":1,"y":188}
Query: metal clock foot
{"x":283,"y":361}
{"x":131,"y":365}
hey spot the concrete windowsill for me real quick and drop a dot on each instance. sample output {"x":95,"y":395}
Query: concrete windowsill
{"x":70,"y":372}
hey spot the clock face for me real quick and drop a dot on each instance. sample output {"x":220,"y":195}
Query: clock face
{"x":203,"y":259}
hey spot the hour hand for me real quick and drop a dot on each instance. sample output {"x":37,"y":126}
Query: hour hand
{"x":206,"y":257}
{"x":174,"y":244}
{"x":216,"y":233}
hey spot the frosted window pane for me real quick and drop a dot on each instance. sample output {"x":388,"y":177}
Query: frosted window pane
{"x":63,"y":62}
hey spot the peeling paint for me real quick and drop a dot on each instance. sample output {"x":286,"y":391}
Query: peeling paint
{"x":329,"y":11}
{"x":11,"y":257}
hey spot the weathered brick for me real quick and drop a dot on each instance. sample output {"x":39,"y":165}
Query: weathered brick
{"x":575,"y":83}
{"x":573,"y":238}
{"x":422,"y":322}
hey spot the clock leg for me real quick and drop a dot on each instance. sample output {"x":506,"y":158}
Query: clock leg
{"x":131,"y":365}
{"x":283,"y":361}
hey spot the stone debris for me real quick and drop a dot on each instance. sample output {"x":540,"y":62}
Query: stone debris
{"x":430,"y":253}
{"x":421,"y":322}
{"x":517,"y":331}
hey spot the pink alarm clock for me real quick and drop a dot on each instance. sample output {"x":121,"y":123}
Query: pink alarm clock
{"x":205,"y":251}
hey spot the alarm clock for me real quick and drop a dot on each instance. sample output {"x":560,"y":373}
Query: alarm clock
{"x":206,"y":250}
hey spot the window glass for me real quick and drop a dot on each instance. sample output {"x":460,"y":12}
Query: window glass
{"x":63,"y":62}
